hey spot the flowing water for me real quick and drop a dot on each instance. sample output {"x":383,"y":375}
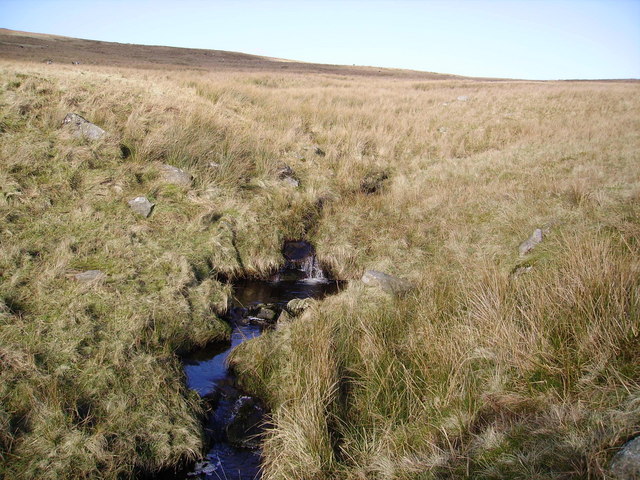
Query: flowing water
{"x":207,"y":373}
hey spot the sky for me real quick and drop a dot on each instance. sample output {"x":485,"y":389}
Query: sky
{"x":534,"y":39}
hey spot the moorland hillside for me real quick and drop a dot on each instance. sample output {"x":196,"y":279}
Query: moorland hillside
{"x":498,"y":362}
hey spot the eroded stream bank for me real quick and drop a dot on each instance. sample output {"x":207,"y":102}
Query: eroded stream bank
{"x":235,"y":420}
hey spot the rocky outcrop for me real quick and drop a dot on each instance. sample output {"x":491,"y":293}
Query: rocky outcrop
{"x":141,"y":206}
{"x":626,"y":463}
{"x":175,"y":175}
{"x":530,"y":243}
{"x":82,"y":128}
{"x":386,"y":282}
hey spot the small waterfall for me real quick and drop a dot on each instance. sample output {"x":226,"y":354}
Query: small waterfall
{"x":311,"y":268}
{"x":301,"y":263}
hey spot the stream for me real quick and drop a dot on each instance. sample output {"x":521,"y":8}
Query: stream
{"x":235,"y":419}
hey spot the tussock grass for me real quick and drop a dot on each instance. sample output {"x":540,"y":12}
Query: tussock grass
{"x":483,"y":371}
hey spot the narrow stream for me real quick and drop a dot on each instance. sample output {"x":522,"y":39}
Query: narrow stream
{"x":234,"y":424}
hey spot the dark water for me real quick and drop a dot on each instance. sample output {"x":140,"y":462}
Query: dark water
{"x":207,"y":373}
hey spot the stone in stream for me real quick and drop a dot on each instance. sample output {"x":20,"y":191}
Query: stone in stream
{"x":245,"y":426}
{"x":626,"y":463}
{"x":386,"y":282}
{"x":82,"y":128}
{"x":528,"y":245}
{"x":267,"y":314}
{"x":298,"y":305}
{"x":90,"y":276}
{"x":176,"y":175}
{"x":141,"y":206}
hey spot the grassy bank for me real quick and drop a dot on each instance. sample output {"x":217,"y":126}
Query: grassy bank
{"x":478,"y":372}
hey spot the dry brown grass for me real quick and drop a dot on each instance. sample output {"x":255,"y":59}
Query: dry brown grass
{"x":478,"y":373}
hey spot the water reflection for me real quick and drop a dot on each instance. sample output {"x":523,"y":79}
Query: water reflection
{"x":207,"y":374}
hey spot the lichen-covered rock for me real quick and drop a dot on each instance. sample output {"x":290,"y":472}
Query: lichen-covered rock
{"x":141,"y":206}
{"x":176,"y":175}
{"x":298,"y":305}
{"x":386,"y":282}
{"x":626,"y":463}
{"x":528,"y":245}
{"x":82,"y":128}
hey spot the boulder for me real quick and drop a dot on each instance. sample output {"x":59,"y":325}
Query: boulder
{"x":176,"y":175}
{"x":245,"y":425}
{"x":90,"y":276}
{"x":82,"y":128}
{"x":528,"y":245}
{"x":386,"y":282}
{"x":141,"y":206}
{"x":625,"y":465}
{"x":298,"y":305}
{"x":267,"y":314}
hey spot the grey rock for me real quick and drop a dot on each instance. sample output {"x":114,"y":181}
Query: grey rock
{"x":528,"y":245}
{"x":625,"y":465}
{"x":298,"y":305}
{"x":176,"y":175}
{"x":260,"y":322}
{"x":291,"y":182}
{"x":462,"y":98}
{"x":206,"y":467}
{"x":386,"y":282}
{"x":82,"y":128}
{"x":90,"y":276}
{"x":288,"y":176}
{"x":245,"y":426}
{"x":267,"y":314}
{"x":141,"y":206}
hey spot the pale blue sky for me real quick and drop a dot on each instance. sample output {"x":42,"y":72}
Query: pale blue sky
{"x":536,"y":39}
